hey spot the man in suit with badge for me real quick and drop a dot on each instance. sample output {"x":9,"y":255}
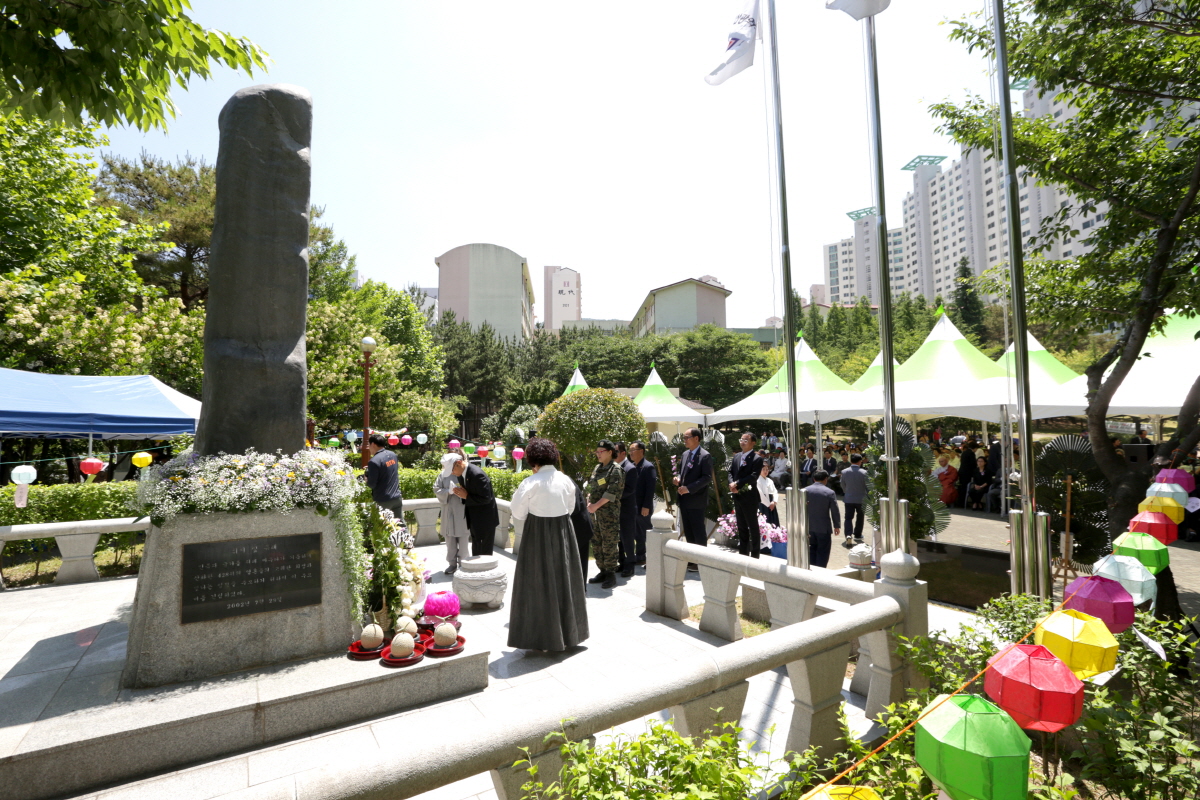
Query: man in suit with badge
{"x":647,"y":484}
{"x":744,"y":470}
{"x":694,"y":478}
{"x":628,"y":512}
{"x":483,"y":516}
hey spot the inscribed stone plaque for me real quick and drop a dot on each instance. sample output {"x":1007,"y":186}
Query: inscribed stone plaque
{"x":247,"y":576}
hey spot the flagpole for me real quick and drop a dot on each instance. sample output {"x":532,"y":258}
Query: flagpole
{"x":1016,"y":272}
{"x":800,"y":552}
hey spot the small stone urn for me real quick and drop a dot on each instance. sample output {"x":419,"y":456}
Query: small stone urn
{"x":481,"y":579}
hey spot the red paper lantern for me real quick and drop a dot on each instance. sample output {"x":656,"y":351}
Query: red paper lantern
{"x":1037,"y":689}
{"x":393,"y":440}
{"x":91,"y":466}
{"x":482,"y":451}
{"x":1157,"y":524}
{"x":1103,"y":598}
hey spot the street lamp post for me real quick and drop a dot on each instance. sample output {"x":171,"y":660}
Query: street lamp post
{"x":368,"y":347}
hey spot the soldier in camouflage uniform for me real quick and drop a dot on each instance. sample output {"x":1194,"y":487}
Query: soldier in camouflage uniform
{"x":603,"y":492}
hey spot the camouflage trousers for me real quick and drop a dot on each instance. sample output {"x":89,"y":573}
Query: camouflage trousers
{"x":606,"y":538}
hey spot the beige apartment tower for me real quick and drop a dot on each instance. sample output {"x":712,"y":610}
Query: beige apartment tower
{"x":561,"y":297}
{"x":487,"y":283}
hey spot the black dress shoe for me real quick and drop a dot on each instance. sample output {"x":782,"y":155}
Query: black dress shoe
{"x":601,"y":577}
{"x":609,"y":582}
{"x":450,"y":570}
{"x":627,"y":572}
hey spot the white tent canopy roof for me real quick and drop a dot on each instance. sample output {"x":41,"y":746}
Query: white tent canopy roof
{"x":657,"y":404}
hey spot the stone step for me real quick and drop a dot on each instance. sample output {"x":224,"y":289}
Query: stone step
{"x":149,"y":731}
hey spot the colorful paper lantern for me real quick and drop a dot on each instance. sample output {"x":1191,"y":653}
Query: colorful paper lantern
{"x":1172,"y":490}
{"x":351,"y":437}
{"x":1156,"y":524}
{"x":442,"y":604}
{"x":422,"y":438}
{"x":1035,"y":687}
{"x":518,"y":453}
{"x":454,"y":444}
{"x":1163,"y":505}
{"x":24,"y":474}
{"x":1080,"y":640}
{"x":469,"y":448}
{"x":142,"y":459}
{"x":482,"y":451}
{"x":91,"y":465}
{"x":973,"y":750}
{"x":1103,"y":598}
{"x":1130,"y":573}
{"x":393,"y":440}
{"x":499,"y":453}
{"x":1145,"y":548}
{"x":842,"y":793}
{"x":334,"y":442}
{"x":1182,"y":477}
{"x":406,"y":440}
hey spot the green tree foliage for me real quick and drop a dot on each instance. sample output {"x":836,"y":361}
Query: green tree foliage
{"x":50,"y":226}
{"x":113,"y":61}
{"x":967,"y":308}
{"x":394,"y":318}
{"x":926,"y":512}
{"x":1132,"y":71}
{"x":718,"y":367}
{"x":178,"y":198}
{"x":578,"y":421}
{"x":331,"y":267}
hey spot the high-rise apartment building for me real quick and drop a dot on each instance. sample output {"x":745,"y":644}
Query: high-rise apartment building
{"x":487,"y":283}
{"x":953,"y":212}
{"x":561,"y":297}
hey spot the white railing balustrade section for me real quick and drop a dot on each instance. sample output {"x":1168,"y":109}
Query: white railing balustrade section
{"x":76,"y":542}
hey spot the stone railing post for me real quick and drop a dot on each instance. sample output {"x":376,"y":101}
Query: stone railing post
{"x":427,"y":519}
{"x":502,"y":528}
{"x":889,"y":675}
{"x":817,"y":690}
{"x":664,"y":573}
{"x":789,"y":606}
{"x":702,"y":716}
{"x":720,"y":615}
{"x":78,"y":558}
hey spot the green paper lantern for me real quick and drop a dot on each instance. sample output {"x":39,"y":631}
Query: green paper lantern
{"x":469,"y":448}
{"x":973,"y":750}
{"x":1145,"y":548}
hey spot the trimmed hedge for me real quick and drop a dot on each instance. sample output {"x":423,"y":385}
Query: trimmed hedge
{"x":69,"y":502}
{"x":418,"y":483}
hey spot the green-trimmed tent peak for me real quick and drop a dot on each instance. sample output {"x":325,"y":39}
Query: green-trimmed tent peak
{"x":657,"y":404}
{"x":577,"y":382}
{"x":941,"y":309}
{"x":947,"y":355}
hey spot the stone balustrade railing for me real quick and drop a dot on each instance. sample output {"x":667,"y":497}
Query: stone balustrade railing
{"x":426,"y":511}
{"x":76,"y":542}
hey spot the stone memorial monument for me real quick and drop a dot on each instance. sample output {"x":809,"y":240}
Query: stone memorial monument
{"x":218,"y":593}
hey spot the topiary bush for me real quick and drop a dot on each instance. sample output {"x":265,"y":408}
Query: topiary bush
{"x":577,"y":421}
{"x":927,"y":514}
{"x":418,"y":483}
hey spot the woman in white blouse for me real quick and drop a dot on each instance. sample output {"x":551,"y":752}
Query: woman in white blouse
{"x":548,"y":599}
{"x":768,"y":495}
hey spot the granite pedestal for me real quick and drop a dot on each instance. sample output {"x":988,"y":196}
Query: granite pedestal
{"x":171,"y":638}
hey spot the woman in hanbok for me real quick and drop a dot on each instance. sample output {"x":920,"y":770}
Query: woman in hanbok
{"x":549,"y":609}
{"x":454,"y":514}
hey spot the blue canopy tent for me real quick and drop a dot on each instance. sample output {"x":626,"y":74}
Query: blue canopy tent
{"x":38,"y":405}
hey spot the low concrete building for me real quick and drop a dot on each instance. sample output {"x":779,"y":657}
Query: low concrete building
{"x":682,"y":306}
{"x":487,"y":283}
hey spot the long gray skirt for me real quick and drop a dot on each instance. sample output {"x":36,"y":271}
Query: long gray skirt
{"x":549,"y":610}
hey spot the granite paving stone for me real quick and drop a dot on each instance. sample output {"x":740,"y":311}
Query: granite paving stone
{"x":198,"y":783}
{"x":350,"y":745}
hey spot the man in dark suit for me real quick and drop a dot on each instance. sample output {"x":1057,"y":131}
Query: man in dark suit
{"x":694,"y":478}
{"x":643,"y":498}
{"x":581,"y":521}
{"x":744,"y":470}
{"x":808,"y":466}
{"x":628,"y":555}
{"x":824,"y":519}
{"x":475,"y":489}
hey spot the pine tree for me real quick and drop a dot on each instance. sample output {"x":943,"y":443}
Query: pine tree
{"x":967,"y":311}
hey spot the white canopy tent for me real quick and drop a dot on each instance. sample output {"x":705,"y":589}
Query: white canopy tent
{"x":657,"y":404}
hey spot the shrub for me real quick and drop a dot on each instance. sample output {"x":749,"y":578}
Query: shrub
{"x":418,"y":483}
{"x":927,"y":514}
{"x":577,"y":421}
{"x":68,"y":502}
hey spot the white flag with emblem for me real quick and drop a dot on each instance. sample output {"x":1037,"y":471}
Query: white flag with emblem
{"x":739,"y":52}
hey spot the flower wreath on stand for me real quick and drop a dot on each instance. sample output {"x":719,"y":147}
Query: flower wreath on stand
{"x":771,"y":534}
{"x":396,"y":574}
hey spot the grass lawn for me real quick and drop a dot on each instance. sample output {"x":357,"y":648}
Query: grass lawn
{"x":750,"y":627}
{"x":23,"y":574}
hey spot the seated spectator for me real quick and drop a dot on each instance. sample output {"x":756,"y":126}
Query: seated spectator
{"x":981,"y":482}
{"x":948,"y":477}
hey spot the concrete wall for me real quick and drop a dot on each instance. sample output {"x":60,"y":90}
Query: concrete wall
{"x":562,"y":294}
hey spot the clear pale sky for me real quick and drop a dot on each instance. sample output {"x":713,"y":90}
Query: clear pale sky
{"x":584,"y":135}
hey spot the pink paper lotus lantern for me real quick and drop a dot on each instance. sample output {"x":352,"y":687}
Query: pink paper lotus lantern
{"x":1035,"y":687}
{"x":442,"y":604}
{"x":1160,"y":526}
{"x":518,"y":453}
{"x":393,"y":440}
{"x":406,"y":440}
{"x":1103,"y":598}
{"x":1182,"y":477}
{"x":454,"y":444}
{"x":91,"y":466}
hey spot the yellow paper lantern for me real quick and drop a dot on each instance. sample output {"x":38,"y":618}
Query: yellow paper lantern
{"x":1080,"y":641}
{"x":1163,"y":505}
{"x":842,"y":793}
{"x":142,"y":459}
